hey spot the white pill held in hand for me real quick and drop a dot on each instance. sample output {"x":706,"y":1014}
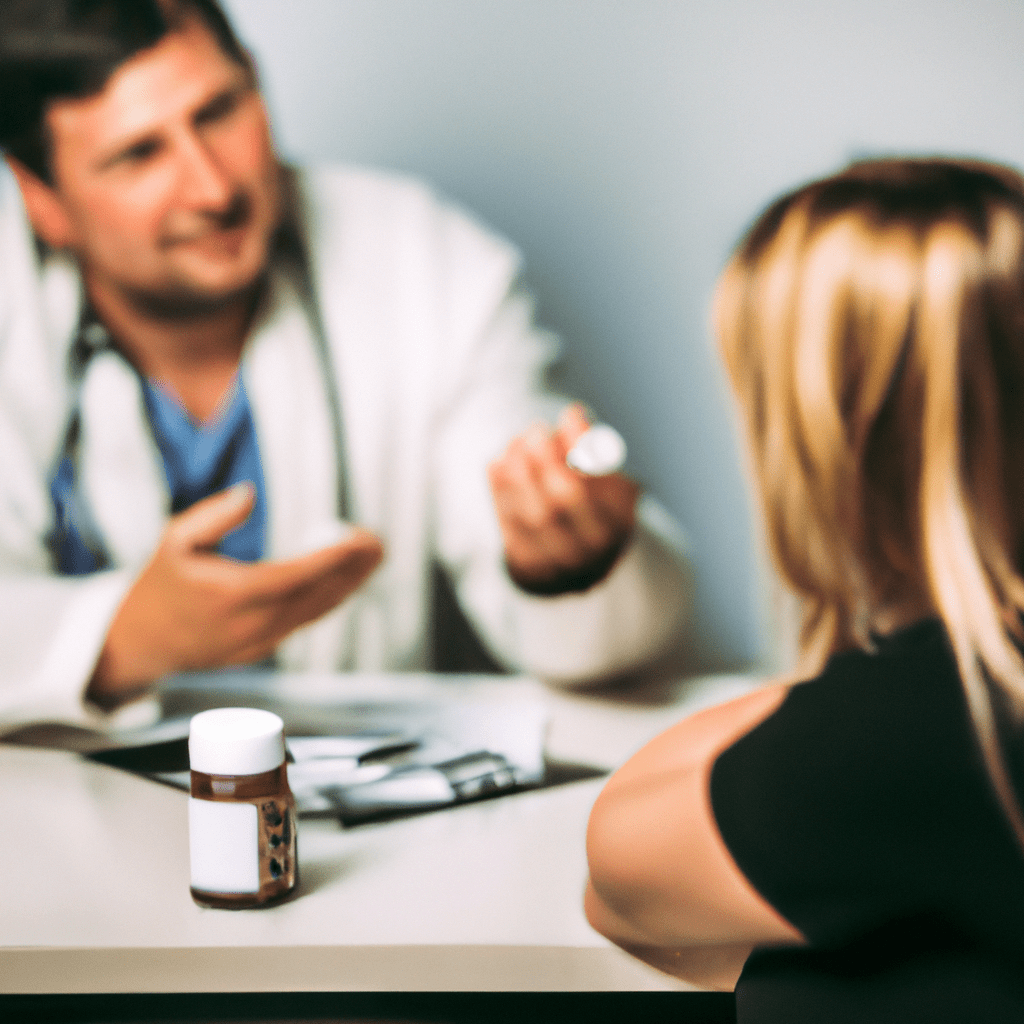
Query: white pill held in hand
{"x":598,"y":451}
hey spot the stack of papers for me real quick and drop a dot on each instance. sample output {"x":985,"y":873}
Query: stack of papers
{"x":362,"y":746}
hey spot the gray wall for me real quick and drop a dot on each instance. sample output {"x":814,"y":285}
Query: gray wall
{"x":624,"y":145}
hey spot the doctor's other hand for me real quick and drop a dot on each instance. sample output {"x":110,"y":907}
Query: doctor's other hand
{"x":192,"y":608}
{"x":563,"y":530}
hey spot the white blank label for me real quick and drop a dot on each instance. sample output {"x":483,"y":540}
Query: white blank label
{"x":223,"y":846}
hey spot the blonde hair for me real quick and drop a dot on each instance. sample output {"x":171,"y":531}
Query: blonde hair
{"x":872,"y":324}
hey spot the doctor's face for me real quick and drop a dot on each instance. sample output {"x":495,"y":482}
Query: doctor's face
{"x":167,"y":179}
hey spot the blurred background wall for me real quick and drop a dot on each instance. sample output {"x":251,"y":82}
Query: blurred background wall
{"x":624,"y":145}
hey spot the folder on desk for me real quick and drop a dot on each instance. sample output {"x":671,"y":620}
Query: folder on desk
{"x":365,"y":746}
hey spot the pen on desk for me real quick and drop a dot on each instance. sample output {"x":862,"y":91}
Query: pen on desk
{"x":359,"y":747}
{"x":421,"y":787}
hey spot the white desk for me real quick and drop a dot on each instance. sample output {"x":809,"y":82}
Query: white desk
{"x":484,"y":897}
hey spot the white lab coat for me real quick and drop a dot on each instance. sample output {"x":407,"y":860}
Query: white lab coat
{"x":438,"y":366}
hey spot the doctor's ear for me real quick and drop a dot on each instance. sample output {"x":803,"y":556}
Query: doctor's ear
{"x":43,"y":205}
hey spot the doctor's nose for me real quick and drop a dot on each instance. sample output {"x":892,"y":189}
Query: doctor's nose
{"x":203,"y":185}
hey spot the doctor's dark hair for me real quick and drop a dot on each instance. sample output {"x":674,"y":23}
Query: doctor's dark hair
{"x":872,"y":325}
{"x":68,"y":49}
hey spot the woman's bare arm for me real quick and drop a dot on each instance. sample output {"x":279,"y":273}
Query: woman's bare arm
{"x":663,"y":884}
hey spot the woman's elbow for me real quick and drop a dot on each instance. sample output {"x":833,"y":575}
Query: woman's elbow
{"x":619,"y":891}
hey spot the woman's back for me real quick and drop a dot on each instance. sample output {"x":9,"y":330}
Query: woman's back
{"x":863,"y":812}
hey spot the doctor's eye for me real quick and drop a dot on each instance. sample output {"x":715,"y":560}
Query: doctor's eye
{"x":222,"y":106}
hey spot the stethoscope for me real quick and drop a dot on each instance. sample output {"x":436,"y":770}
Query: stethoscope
{"x":289,"y":254}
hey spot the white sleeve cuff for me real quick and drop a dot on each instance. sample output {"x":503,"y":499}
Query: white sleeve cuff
{"x":51,"y":687}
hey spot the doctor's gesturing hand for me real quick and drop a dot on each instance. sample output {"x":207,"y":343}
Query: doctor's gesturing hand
{"x":563,"y":530}
{"x":193,"y":608}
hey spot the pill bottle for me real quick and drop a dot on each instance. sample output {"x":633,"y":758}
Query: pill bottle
{"x":241,"y":812}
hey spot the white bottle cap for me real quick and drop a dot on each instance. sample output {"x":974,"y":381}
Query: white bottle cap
{"x":235,"y":741}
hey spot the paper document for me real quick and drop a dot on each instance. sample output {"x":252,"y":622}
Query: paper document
{"x":364,"y":745}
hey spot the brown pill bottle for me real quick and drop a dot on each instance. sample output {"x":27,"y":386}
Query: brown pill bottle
{"x":241,"y":812}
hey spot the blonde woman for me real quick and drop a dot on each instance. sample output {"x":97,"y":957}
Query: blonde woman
{"x":860,"y":829}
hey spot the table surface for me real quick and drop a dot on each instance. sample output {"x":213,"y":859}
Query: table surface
{"x":482,"y":897}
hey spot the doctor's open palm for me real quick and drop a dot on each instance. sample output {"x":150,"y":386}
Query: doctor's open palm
{"x":191,"y":608}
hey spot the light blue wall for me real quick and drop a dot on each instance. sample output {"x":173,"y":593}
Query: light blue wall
{"x":624,"y":145}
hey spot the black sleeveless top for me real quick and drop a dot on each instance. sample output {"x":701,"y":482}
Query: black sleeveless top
{"x":862,"y":811}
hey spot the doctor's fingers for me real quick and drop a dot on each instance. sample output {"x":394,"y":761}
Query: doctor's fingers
{"x":613,"y":499}
{"x":536,"y":555}
{"x":254,"y":634}
{"x":553,"y":518}
{"x":593,"y":508}
{"x":571,"y":540}
{"x":515,"y":483}
{"x":252,"y":584}
{"x":572,"y":424}
{"x":533,"y":471}
{"x":341,"y":567}
{"x":203,"y":524}
{"x":596,"y":509}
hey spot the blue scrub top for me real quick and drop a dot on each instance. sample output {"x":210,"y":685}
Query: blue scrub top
{"x":199,"y":459}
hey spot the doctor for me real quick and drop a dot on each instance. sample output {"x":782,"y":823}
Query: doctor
{"x":211,"y":367}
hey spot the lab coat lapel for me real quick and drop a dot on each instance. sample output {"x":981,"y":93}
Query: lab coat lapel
{"x":286,"y":389}
{"x":122,"y":472}
{"x":378,"y":297}
{"x":33,"y":397}
{"x":353,"y":313}
{"x":290,"y":408}
{"x":358,"y":324}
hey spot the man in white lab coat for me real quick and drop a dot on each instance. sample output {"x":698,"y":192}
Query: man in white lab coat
{"x":244,"y":410}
